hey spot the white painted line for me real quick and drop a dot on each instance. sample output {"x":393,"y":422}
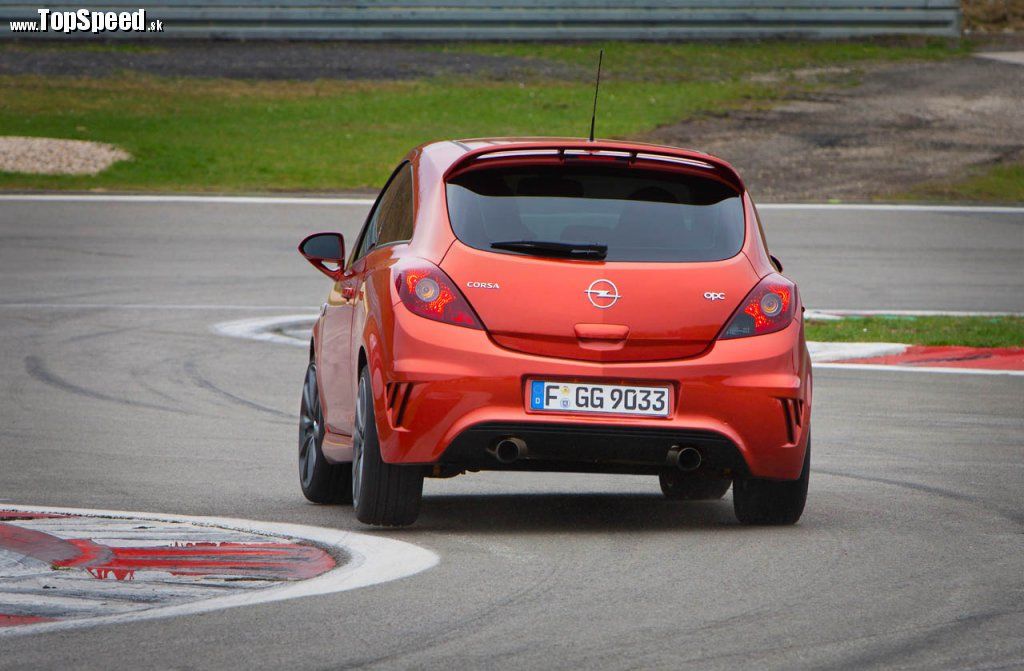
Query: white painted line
{"x":322,"y":200}
{"x":916,"y":369}
{"x":143,"y":306}
{"x":374,"y":560}
{"x":267,"y":329}
{"x":838,"y":351}
{"x":170,"y":198}
{"x":821,"y":316}
{"x":881,"y":207}
{"x":1012,"y":57}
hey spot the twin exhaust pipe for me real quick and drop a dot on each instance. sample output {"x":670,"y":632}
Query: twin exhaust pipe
{"x":686,"y":459}
{"x":508,"y":450}
{"x":512,"y":449}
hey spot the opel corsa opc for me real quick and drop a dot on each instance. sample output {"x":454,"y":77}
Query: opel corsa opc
{"x":557,"y":305}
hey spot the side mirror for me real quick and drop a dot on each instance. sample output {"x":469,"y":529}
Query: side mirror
{"x":776,"y":263}
{"x":323,"y":248}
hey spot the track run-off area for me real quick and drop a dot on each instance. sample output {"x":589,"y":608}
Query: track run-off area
{"x":118,"y":394}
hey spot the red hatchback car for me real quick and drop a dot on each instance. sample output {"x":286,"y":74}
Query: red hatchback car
{"x":557,"y":305}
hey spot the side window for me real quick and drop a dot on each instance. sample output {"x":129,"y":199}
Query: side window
{"x":391,"y":219}
{"x":369,"y":238}
{"x":396,"y":215}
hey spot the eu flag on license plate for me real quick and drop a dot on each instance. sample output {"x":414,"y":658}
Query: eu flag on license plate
{"x":537,"y":395}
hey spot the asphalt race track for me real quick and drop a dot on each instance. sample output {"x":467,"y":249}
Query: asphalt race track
{"x":116,"y":394}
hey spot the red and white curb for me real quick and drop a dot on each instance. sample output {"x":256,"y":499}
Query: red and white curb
{"x":914,"y":358}
{"x":62,"y":568}
{"x":922,"y":358}
{"x":294,"y":330}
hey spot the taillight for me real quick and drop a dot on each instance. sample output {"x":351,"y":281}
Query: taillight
{"x":426,"y":291}
{"x":766,"y":309}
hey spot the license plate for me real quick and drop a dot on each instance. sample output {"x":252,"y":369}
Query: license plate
{"x":612,"y":399}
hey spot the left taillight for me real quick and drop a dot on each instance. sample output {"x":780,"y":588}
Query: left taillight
{"x":768,"y":308}
{"x":426,"y":291}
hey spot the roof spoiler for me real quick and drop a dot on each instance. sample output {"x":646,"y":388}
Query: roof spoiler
{"x":652,"y":156}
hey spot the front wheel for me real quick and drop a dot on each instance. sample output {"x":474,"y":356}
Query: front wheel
{"x":321,"y":482}
{"x":383,"y":494}
{"x":758,"y":501}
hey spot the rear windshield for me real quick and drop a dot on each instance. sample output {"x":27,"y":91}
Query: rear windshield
{"x":640,"y":215}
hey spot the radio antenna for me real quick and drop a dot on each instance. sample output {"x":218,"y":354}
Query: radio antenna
{"x":597,"y":87}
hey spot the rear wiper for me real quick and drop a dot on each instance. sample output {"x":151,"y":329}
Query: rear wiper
{"x":569,"y":250}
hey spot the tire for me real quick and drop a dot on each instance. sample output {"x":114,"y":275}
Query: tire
{"x":321,"y":482}
{"x":679,"y":486}
{"x":769,"y":502}
{"x":383,"y":494}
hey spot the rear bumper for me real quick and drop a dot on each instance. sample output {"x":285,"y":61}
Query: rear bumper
{"x":600,"y":449}
{"x":446,"y":394}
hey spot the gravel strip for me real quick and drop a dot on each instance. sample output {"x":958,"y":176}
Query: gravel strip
{"x":53,"y":156}
{"x":905,"y":124}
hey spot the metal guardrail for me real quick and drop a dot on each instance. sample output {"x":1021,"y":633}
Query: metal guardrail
{"x":513,"y":19}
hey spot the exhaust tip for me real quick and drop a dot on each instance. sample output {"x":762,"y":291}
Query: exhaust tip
{"x":685,"y":459}
{"x":508,"y":450}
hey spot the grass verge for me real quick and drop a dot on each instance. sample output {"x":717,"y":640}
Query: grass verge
{"x":996,"y":184}
{"x":223,"y":135}
{"x":966,"y":331}
{"x":227,"y":135}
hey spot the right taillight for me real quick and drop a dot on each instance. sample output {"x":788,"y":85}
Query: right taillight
{"x":426,"y":291}
{"x":767,"y":308}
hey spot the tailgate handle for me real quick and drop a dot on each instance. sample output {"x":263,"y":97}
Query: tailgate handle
{"x":611,"y":332}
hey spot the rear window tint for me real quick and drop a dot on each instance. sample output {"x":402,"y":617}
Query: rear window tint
{"x":640,"y":215}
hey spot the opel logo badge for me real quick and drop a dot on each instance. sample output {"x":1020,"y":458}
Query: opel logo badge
{"x":602,"y":294}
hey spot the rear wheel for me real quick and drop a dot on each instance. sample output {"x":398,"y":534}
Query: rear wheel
{"x":383,"y":494}
{"x":321,"y":482}
{"x":758,"y":501}
{"x":680,"y":486}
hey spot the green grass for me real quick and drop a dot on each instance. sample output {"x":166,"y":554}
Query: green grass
{"x":968,"y":331}
{"x":996,"y":184}
{"x":219,"y":135}
{"x":225,"y":135}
